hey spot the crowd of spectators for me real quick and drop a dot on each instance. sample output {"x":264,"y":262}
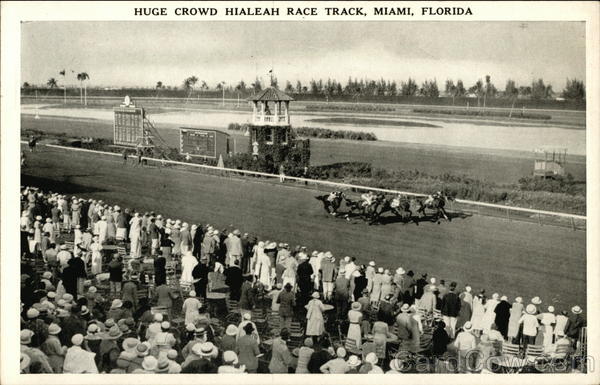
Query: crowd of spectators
{"x":112,"y":290}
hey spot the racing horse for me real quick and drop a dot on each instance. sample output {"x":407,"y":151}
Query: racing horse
{"x":32,"y":143}
{"x":437,"y":203}
{"x":331,"y":202}
{"x":369,"y":213}
{"x":399,"y":206}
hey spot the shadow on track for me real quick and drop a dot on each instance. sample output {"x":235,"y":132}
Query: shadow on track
{"x":63,"y":186}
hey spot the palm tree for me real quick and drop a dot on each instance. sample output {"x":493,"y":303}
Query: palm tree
{"x":189,"y":84}
{"x":82,"y":77}
{"x":52,"y":83}
{"x":159,"y":86}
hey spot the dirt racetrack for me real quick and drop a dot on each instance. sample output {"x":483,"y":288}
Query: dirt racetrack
{"x":511,"y":258}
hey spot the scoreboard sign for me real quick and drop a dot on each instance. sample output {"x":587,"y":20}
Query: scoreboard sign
{"x":203,"y":143}
{"x":128,"y":125}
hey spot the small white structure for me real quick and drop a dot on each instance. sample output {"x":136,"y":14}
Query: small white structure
{"x":549,"y":161}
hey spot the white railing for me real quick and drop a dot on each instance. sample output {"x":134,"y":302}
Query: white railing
{"x":482,"y":208}
{"x":270,"y":119}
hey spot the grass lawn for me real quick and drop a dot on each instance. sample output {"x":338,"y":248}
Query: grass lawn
{"x":511,"y":258}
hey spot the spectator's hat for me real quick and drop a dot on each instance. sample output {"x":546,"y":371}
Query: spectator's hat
{"x":347,"y":259}
{"x":356,"y":306}
{"x":247,"y":316}
{"x":124,"y":328}
{"x":316,"y":294}
{"x":405,"y":308}
{"x":396,"y":364}
{"x":432,"y":280}
{"x":519,"y":300}
{"x":536,"y":301}
{"x":372,"y":263}
{"x":84,"y":310}
{"x":467,"y":326}
{"x":163,"y":365}
{"x":149,"y":364}
{"x":25,"y":361}
{"x":371,"y":358}
{"x":380,"y":270}
{"x":47,"y":275}
{"x":92,"y":289}
{"x":190,"y":327}
{"x":165,"y":325}
{"x":113,"y":333}
{"x":130,"y":344}
{"x":504,"y":298}
{"x":48,"y":220}
{"x":551,"y":309}
{"x":192,"y":293}
{"x":296,"y":352}
{"x":400,"y":271}
{"x":230,"y":357}
{"x":116,"y":303}
{"x":51,"y":294}
{"x":54,"y":329}
{"x":62,"y":313}
{"x":530,"y":309}
{"x":109,"y":323}
{"x":117,"y":208}
{"x":68,"y":297}
{"x":142,"y":350}
{"x":63,"y":247}
{"x":576,"y":309}
{"x":341,"y":352}
{"x":38,"y":218}
{"x":32,"y":313}
{"x":432,"y":288}
{"x":77,"y":339}
{"x":26,"y":335}
{"x":207,"y":349}
{"x":386,"y":271}
{"x":158,"y":317}
{"x":231,"y":330}
{"x":353,"y":361}
{"x":78,"y":226}
{"x":172,"y":354}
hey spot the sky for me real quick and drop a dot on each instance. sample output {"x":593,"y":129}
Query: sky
{"x":117,"y":54}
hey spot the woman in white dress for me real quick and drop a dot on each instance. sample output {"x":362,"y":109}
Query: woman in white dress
{"x":190,"y":308}
{"x":315,"y":325}
{"x":478,"y":311}
{"x":354,"y":318}
{"x":188,"y":262}
{"x":490,"y":315}
{"x":135,"y":233}
{"x":263,"y":267}
{"x":96,"y":249}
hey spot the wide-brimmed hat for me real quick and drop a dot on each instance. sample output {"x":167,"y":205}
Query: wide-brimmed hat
{"x":371,"y":358}
{"x":372,"y":263}
{"x":316,"y":294}
{"x":149,"y":363}
{"x":405,"y":308}
{"x":84,"y":310}
{"x":109,"y":322}
{"x":396,"y":364}
{"x":536,"y":301}
{"x":116,"y":303}
{"x":165,"y":325}
{"x":495,"y":296}
{"x":68,"y":297}
{"x":26,"y":335}
{"x":400,"y":271}
{"x":162,"y":365}
{"x":576,"y":309}
{"x":504,"y":298}
{"x":172,"y":354}
{"x":32,"y":313}
{"x":530,"y":309}
{"x":25,"y":361}
{"x":113,"y":333}
{"x":51,"y":294}
{"x":130,"y":343}
{"x":54,"y":329}
{"x":142,"y":350}
{"x":247,"y":316}
{"x":467,"y":326}
{"x":341,"y":352}
{"x":77,"y":339}
{"x":353,"y":361}
{"x":231,"y":330}
{"x":356,"y":306}
{"x":47,"y":275}
{"x":230,"y":357}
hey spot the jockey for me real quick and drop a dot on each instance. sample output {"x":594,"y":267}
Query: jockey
{"x":367,"y":198}
{"x":396,"y":201}
{"x":430,"y":199}
{"x":333,"y":196}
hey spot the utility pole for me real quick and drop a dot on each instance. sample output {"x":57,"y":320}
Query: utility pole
{"x":223,"y":89}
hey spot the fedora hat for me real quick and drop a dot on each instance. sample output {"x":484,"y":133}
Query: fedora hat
{"x":576,"y":309}
{"x":54,"y":329}
{"x":353,"y":361}
{"x":467,"y":326}
{"x":149,"y":363}
{"x":356,"y":306}
{"x":113,"y":333}
{"x":536,"y":300}
{"x":231,"y":330}
{"x":530,"y":309}
{"x":116,"y":303}
{"x":130,"y":343}
{"x":26,"y":335}
{"x":142,"y":350}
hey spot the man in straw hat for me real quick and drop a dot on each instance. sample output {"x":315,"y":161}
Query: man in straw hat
{"x":530,"y":325}
{"x":464,"y":343}
{"x":53,"y":349}
{"x":328,"y":275}
{"x":35,"y":355}
{"x":575,"y":323}
{"x":336,"y":365}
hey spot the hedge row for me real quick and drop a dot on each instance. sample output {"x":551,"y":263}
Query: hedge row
{"x":355,"y":108}
{"x":504,"y":114}
{"x":316,"y":132}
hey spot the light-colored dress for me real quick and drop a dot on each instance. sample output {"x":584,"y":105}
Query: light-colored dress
{"x":75,"y":214}
{"x":176,"y":238}
{"x":354,"y":332}
{"x":96,"y":249}
{"x":386,"y":285}
{"x":490,"y":315}
{"x":477,"y":319}
{"x":316,"y":324}
{"x":111,"y":227}
{"x":135,"y":230}
{"x":188,"y":262}
{"x":263,"y":269}
{"x":516,"y":311}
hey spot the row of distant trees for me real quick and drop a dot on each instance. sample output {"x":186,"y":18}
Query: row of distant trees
{"x":482,"y":89}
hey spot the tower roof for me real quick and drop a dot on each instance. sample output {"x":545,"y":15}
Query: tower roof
{"x":270,"y":94}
